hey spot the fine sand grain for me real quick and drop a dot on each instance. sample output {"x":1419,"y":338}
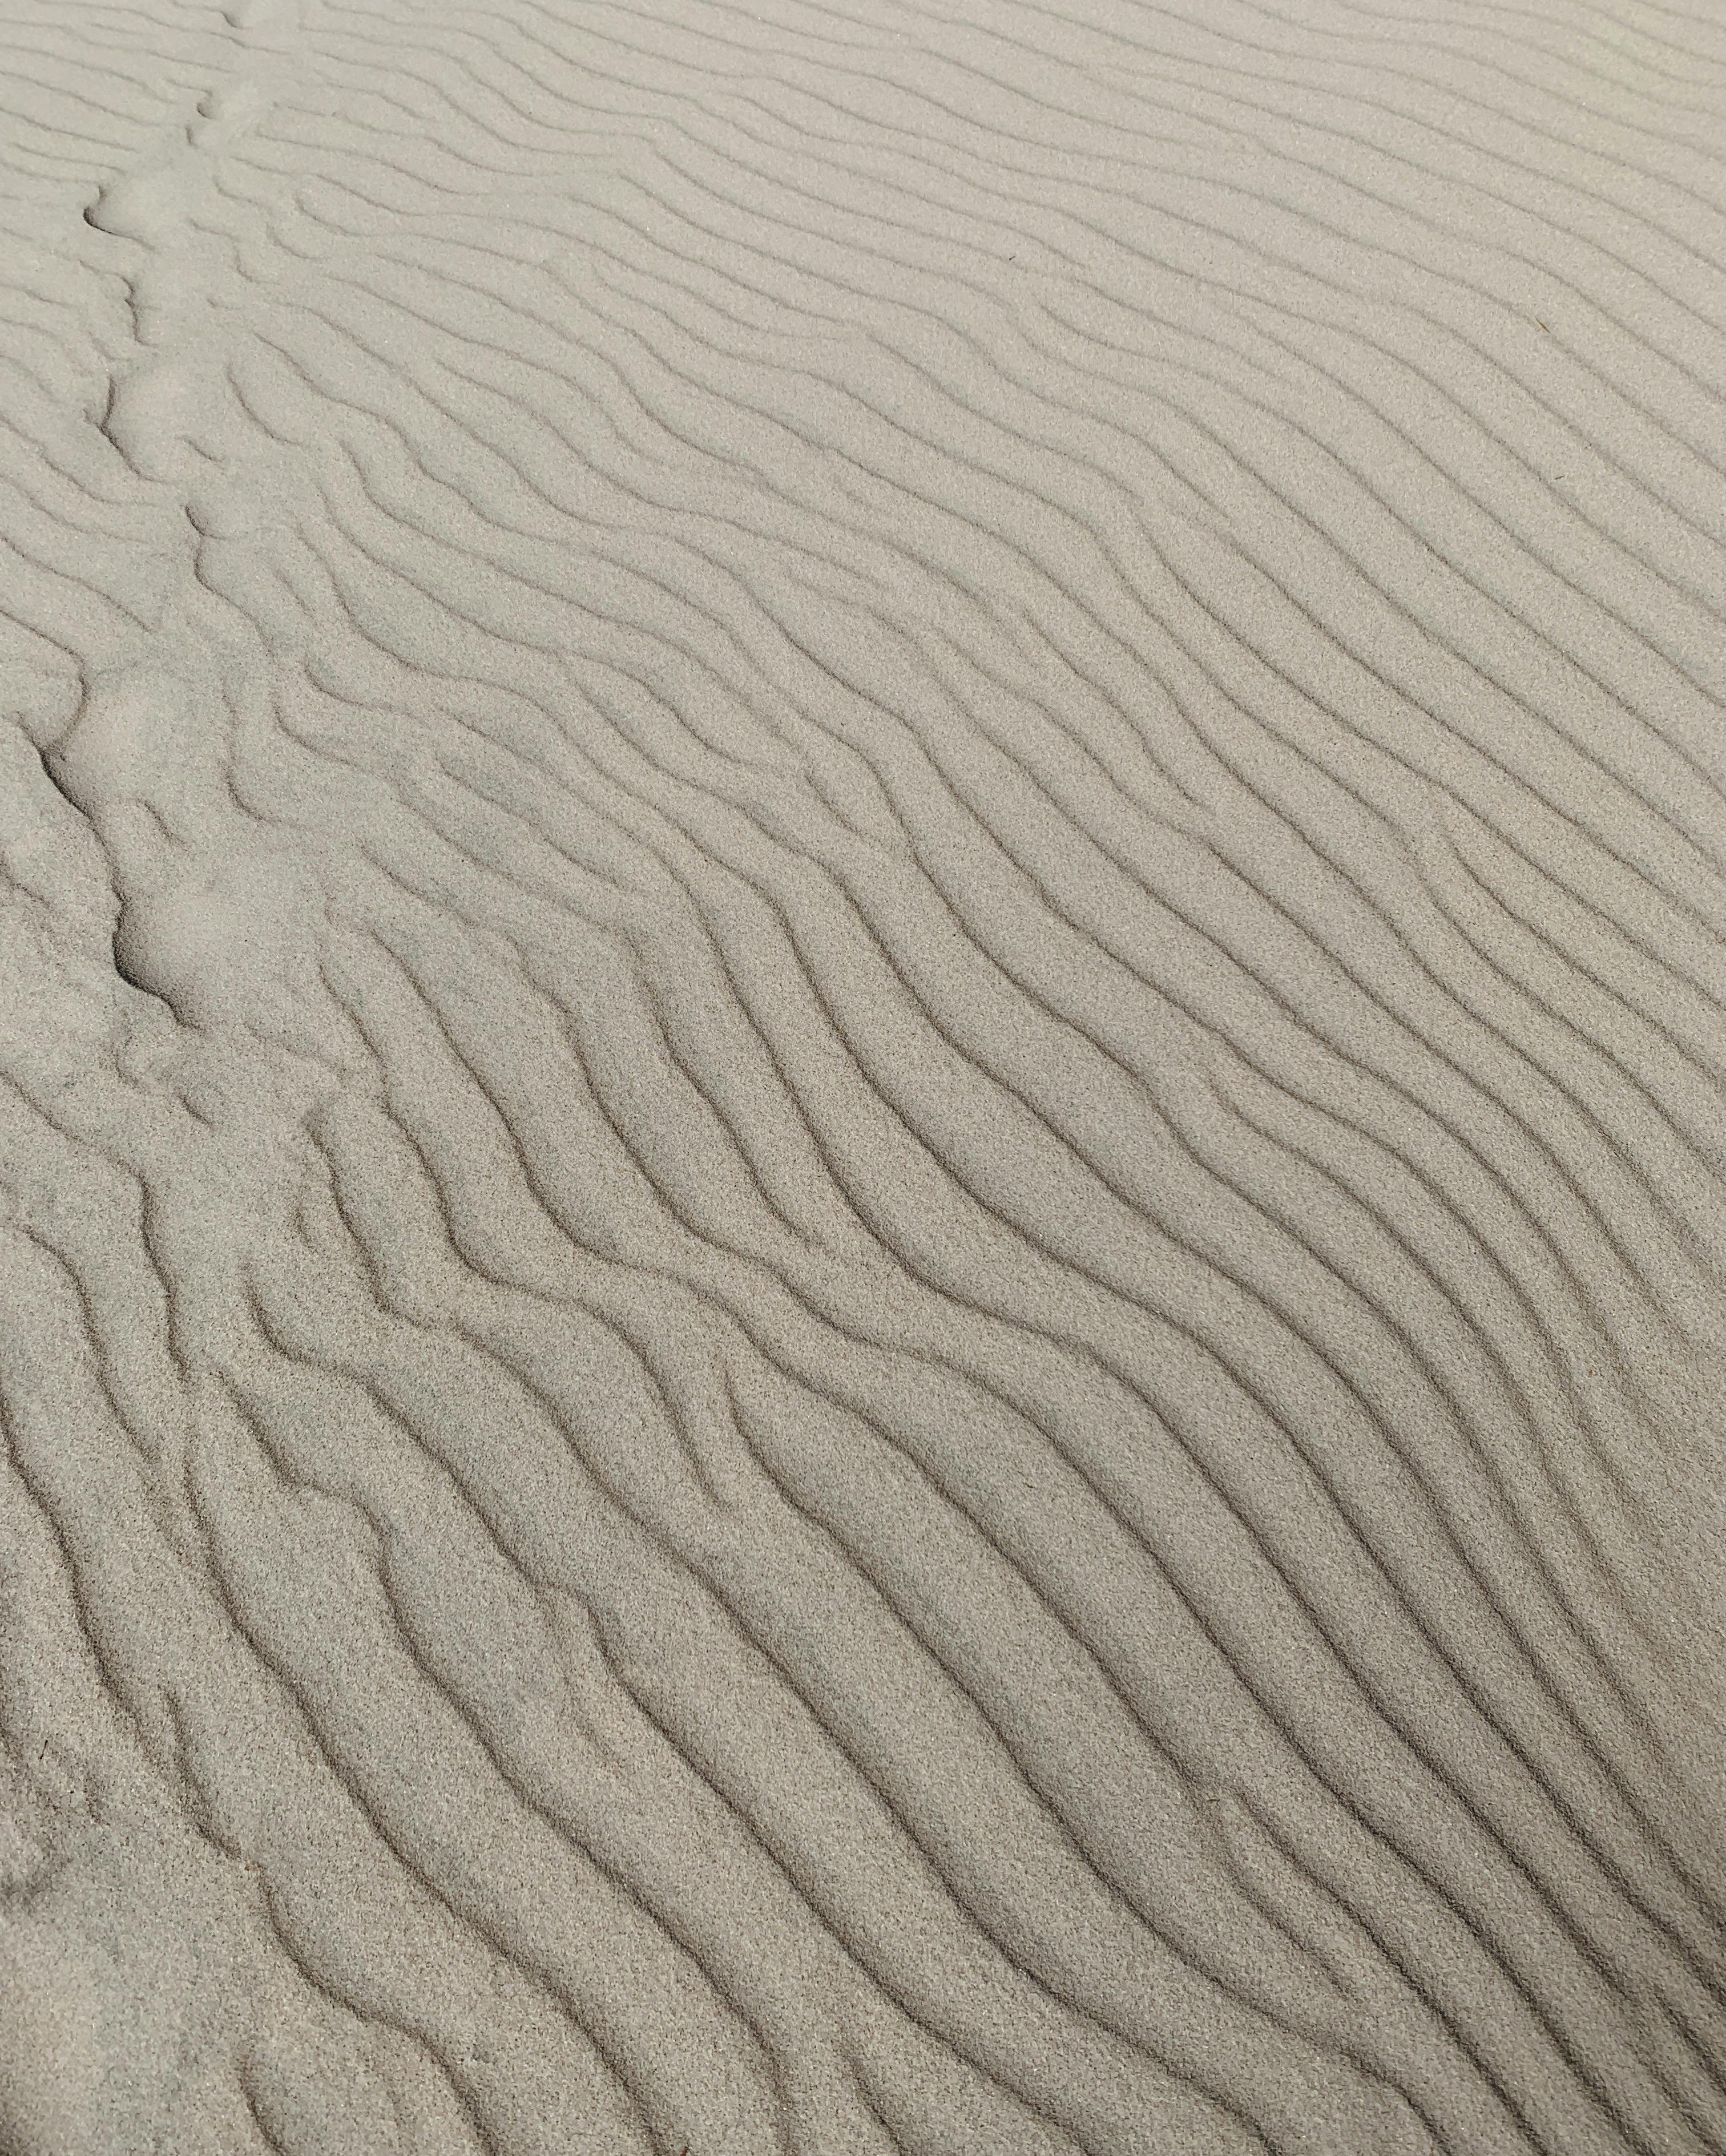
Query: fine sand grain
{"x":862,"y":1077}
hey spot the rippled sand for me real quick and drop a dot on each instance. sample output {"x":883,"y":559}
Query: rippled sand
{"x":862,"y":1082}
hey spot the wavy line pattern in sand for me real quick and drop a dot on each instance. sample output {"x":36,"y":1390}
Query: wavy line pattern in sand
{"x":863,"y":1119}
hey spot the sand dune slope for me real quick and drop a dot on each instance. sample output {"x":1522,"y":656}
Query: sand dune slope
{"x":862,"y":1077}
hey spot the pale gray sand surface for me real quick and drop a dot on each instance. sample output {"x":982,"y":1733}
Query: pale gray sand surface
{"x":862,"y":1085}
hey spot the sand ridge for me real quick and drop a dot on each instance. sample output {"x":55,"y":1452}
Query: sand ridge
{"x":861,"y":1106}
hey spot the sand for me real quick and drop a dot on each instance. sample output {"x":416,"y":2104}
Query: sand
{"x":862,"y":1084}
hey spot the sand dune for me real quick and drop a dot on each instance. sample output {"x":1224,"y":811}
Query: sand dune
{"x":864,"y":1100}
